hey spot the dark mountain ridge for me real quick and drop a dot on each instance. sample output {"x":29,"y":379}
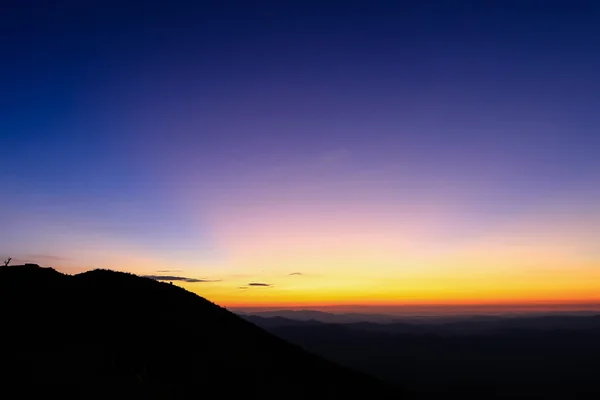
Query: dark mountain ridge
{"x":109,"y":334}
{"x":462,"y":326}
{"x":526,"y":320}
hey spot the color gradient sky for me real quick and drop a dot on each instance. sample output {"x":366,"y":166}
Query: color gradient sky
{"x":308,"y":153}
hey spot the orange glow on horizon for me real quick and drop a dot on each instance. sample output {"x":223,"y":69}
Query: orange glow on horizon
{"x":330,"y":253}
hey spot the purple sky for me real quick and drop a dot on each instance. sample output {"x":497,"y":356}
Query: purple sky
{"x":160,"y":133}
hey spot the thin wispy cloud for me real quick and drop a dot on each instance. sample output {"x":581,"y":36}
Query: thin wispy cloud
{"x":334,"y":156}
{"x":259,"y":284}
{"x":168,"y":270}
{"x":46,"y":257}
{"x":239,"y":276}
{"x":179,"y":278}
{"x":296,"y":274}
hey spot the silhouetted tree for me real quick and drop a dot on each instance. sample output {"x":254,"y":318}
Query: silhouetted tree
{"x":7,"y":261}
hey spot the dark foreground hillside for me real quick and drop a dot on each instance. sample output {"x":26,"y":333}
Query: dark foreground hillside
{"x":104,"y":334}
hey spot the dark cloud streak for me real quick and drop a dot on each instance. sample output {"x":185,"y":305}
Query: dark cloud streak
{"x":259,"y":284}
{"x":179,"y":278}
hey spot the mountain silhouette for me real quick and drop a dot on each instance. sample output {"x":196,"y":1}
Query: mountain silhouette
{"x":105,"y":334}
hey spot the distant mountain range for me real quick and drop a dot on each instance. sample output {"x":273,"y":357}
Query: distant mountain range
{"x":348,"y":318}
{"x":533,"y":357}
{"x":320,"y":316}
{"x":104,"y":334}
{"x":463,"y":325}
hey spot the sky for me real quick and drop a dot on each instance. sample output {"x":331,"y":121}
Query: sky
{"x":268,"y":153}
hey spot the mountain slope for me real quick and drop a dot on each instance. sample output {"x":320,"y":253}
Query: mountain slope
{"x":104,"y":333}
